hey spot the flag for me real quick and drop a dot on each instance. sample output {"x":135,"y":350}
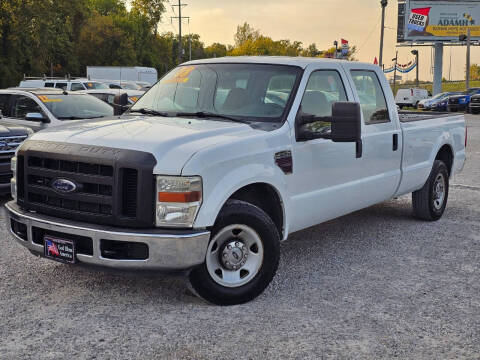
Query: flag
{"x":344,"y":41}
{"x":375,"y":61}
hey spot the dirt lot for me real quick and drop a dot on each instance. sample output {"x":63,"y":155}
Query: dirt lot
{"x":373,"y":284}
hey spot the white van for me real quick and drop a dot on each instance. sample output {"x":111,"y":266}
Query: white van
{"x":121,"y":73}
{"x":410,"y":97}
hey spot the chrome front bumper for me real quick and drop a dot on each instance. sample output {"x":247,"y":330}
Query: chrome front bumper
{"x":167,"y":250}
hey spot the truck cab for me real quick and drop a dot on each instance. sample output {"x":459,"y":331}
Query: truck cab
{"x":222,"y":160}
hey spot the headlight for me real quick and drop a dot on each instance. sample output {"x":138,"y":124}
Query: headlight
{"x":178,"y":200}
{"x":13,"y":181}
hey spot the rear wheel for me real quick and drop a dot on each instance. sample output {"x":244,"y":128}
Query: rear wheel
{"x":242,"y":256}
{"x":430,"y":201}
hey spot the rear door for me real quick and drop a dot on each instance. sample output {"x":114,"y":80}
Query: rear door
{"x":382,"y":135}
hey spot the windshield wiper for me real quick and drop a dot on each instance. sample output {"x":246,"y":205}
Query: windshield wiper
{"x":204,"y":114}
{"x":149,"y":112}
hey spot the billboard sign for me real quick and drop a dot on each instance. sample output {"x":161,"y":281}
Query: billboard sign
{"x":440,"y":20}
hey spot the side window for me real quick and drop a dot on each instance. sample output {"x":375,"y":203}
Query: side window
{"x":77,"y":87}
{"x":25,"y":105}
{"x":61,"y":85}
{"x":115,"y":86}
{"x":4,"y":104}
{"x":48,"y":84}
{"x":324,"y":88}
{"x":372,"y":98}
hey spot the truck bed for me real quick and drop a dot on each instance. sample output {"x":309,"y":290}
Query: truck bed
{"x":409,"y":116}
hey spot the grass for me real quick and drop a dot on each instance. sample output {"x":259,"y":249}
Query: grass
{"x":446,"y":86}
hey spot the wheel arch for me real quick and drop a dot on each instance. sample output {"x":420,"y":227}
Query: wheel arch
{"x":445,"y":154}
{"x":266,"y":197}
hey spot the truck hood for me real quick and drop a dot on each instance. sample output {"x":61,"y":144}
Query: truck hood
{"x":173,"y":141}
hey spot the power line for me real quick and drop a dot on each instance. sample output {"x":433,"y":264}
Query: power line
{"x":370,"y":34}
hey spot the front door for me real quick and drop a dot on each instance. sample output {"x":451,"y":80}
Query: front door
{"x":19,"y":107}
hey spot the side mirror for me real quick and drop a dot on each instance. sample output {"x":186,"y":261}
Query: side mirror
{"x":120,"y":104}
{"x":38,"y":117}
{"x":346,"y":122}
{"x":346,"y":125}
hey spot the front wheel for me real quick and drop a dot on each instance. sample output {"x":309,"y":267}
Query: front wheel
{"x":242,"y":257}
{"x":430,"y":201}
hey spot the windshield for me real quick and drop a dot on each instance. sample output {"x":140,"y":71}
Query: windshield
{"x":472,"y":91}
{"x":439,"y":96}
{"x":71,"y":107}
{"x":95,"y":85}
{"x":253,"y":92}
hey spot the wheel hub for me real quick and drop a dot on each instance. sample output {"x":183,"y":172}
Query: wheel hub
{"x":439,"y":191}
{"x":234,"y":255}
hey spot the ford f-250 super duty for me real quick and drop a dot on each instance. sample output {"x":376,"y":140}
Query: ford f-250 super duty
{"x":220,"y":161}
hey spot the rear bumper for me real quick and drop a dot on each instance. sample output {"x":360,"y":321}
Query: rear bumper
{"x":167,"y":250}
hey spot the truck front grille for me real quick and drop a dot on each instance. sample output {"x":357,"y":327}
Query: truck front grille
{"x":102,"y":189}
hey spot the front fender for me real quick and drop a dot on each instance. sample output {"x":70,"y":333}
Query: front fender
{"x":217,"y":192}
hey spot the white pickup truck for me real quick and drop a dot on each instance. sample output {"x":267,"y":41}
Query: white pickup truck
{"x":222,"y":160}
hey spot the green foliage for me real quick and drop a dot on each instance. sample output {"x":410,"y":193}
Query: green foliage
{"x":63,"y":37}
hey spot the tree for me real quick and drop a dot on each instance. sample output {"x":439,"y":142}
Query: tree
{"x":245,"y":33}
{"x":475,"y":72}
{"x":216,"y":50}
{"x":152,"y":9}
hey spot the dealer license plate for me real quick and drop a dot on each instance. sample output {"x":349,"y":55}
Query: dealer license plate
{"x":59,"y":249}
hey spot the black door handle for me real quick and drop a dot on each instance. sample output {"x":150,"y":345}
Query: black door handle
{"x":395,"y":142}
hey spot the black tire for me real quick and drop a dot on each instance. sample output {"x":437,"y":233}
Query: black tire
{"x":423,"y":200}
{"x":241,"y":212}
{"x":416,"y":105}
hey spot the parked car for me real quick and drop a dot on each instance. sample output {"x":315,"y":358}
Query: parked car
{"x":438,"y":102}
{"x":410,"y":97}
{"x":222,"y":160}
{"x":461,"y":102}
{"x":10,"y":139}
{"x":38,"y":109}
{"x":121,"y":85}
{"x":474,"y":105}
{"x":79,"y":84}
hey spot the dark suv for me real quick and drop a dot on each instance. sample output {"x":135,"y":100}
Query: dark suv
{"x":461,"y":102}
{"x":10,"y":138}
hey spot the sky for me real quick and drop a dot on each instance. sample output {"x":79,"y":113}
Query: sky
{"x":314,"y":21}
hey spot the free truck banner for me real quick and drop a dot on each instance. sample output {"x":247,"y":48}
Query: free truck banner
{"x":441,"y":20}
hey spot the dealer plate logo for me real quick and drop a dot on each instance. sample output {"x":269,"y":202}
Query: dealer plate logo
{"x":63,"y":185}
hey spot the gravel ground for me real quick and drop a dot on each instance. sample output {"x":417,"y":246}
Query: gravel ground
{"x":373,"y":284}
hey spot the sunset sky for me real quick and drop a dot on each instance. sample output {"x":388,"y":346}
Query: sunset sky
{"x":308,"y":21}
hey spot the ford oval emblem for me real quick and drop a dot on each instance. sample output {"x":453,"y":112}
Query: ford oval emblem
{"x":63,"y":185}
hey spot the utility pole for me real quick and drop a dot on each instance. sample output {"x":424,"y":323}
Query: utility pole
{"x":384,"y":4}
{"x":335,"y":43}
{"x":468,"y":58}
{"x":180,"y":17}
{"x":415,"y":52}
{"x":190,"y":45}
{"x":395,"y":73}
